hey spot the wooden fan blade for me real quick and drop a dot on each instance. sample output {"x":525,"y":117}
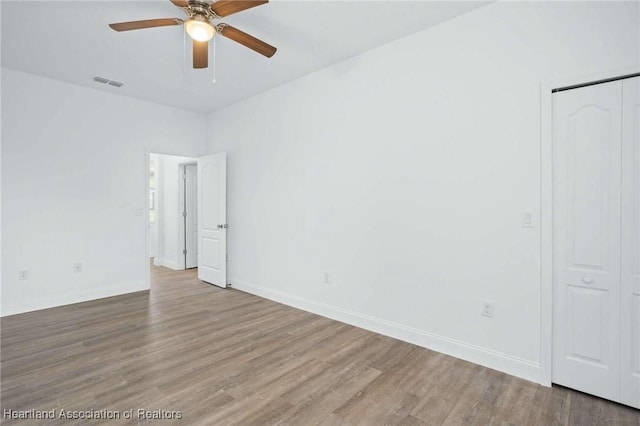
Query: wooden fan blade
{"x":224,"y":8}
{"x":180,"y":3}
{"x":247,"y":40}
{"x":200,"y":54}
{"x":148,"y":23}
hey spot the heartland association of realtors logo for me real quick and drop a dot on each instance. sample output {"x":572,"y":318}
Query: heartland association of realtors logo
{"x":138,"y":414}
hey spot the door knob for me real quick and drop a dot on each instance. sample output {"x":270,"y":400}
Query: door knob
{"x":587,"y":280}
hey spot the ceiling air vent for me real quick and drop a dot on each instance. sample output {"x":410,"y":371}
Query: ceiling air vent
{"x":103,"y":80}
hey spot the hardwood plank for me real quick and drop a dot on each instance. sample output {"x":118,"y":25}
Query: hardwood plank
{"x":225,"y":357}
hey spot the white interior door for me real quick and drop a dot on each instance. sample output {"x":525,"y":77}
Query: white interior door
{"x":212,"y":219}
{"x":586,"y":199}
{"x":190,"y":216}
{"x":630,"y":314}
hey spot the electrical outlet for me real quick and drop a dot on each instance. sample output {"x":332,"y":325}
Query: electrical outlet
{"x":23,"y":275}
{"x":327,"y":277}
{"x":487,"y":309}
{"x":77,"y":267}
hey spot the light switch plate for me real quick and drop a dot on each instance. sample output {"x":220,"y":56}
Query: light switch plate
{"x":527,"y":220}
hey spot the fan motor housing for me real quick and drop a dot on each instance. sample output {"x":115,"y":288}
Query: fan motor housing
{"x":200,"y":9}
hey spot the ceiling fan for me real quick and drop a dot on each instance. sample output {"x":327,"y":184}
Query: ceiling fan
{"x":200,"y":28}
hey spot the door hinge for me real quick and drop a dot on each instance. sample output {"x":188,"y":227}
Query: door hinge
{"x":184,"y":252}
{"x":184,"y":214}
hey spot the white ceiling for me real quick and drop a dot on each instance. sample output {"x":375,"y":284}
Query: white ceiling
{"x":70,"y":41}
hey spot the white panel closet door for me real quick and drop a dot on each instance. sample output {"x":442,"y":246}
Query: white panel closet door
{"x":586,"y":295}
{"x":630,"y":309}
{"x":212,"y":219}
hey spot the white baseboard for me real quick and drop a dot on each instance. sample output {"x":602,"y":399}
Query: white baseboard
{"x":53,"y":301}
{"x":506,"y":363}
{"x":176,"y":266}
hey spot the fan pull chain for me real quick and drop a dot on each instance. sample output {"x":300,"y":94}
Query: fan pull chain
{"x":214,"y":60}
{"x":184,"y":52}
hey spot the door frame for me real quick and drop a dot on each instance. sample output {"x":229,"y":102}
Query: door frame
{"x":546,"y":211}
{"x":183,"y":197}
{"x":145,"y":196}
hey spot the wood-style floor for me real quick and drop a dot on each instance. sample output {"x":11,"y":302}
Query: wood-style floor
{"x":225,"y":357}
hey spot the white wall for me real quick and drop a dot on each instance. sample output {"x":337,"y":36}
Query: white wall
{"x":74,"y":188}
{"x":171,"y":205}
{"x":404,"y":172}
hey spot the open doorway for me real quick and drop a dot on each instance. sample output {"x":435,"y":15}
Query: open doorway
{"x":173,"y":223}
{"x":188,"y":215}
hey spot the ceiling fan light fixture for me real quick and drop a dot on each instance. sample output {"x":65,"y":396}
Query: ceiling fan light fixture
{"x":199,"y":29}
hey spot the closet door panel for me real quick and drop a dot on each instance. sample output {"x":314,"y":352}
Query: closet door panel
{"x":586,"y":222}
{"x":630,"y":253}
